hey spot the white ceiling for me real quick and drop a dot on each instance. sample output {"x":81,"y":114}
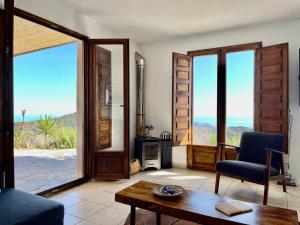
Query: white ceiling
{"x":152,"y":20}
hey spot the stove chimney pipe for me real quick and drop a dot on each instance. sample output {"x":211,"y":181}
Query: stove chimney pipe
{"x":140,"y":114}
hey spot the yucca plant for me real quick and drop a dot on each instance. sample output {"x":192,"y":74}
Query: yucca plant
{"x":45,"y":128}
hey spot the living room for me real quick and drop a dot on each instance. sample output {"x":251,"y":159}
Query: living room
{"x":134,"y":84}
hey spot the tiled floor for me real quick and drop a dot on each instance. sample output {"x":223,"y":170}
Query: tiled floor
{"x":93,"y":203}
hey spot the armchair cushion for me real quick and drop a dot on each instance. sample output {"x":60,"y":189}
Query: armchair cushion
{"x":20,"y":208}
{"x":252,"y":171}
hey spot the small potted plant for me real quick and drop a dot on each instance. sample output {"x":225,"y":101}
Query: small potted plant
{"x":148,"y":128}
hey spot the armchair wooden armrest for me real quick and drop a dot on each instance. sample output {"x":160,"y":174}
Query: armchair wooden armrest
{"x":220,"y":149}
{"x":227,"y":145}
{"x":269,"y":150}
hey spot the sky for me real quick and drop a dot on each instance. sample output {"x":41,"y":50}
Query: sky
{"x":240,"y":88}
{"x":45,"y":82}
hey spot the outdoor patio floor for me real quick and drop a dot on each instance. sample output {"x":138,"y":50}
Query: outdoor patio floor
{"x":37,"y":170}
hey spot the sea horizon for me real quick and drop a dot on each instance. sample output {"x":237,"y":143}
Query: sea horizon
{"x":35,"y":117}
{"x":231,"y":121}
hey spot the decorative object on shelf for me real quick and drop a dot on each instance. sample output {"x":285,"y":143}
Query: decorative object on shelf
{"x":169,"y":191}
{"x":135,"y":166}
{"x":148,"y":128}
{"x":166,"y":150}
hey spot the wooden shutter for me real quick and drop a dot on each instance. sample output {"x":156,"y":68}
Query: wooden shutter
{"x":182,"y":99}
{"x":271,"y":91}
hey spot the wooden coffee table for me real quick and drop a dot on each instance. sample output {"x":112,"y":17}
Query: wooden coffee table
{"x":199,"y":207}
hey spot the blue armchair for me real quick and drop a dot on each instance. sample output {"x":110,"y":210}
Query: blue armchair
{"x":20,"y":208}
{"x":259,"y":160}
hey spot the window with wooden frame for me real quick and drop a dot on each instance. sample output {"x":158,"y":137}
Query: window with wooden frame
{"x":221,"y":92}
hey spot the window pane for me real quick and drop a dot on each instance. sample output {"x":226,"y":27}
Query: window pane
{"x":240,"y":94}
{"x":205,"y":100}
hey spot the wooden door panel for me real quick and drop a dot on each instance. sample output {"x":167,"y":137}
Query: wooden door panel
{"x":271,"y":91}
{"x":182,"y":99}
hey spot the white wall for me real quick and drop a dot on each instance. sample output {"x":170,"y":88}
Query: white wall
{"x":158,"y":78}
{"x":56,"y":12}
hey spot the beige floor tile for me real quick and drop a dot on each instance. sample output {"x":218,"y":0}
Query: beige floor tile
{"x":85,"y":222}
{"x":293,"y":192}
{"x":71,"y":220}
{"x":121,"y":206}
{"x":103,"y":198}
{"x":210,"y":187}
{"x":67,"y":201}
{"x":243,"y":190}
{"x":84,"y":209}
{"x":121,"y":186}
{"x":109,"y":216}
{"x":293,"y":201}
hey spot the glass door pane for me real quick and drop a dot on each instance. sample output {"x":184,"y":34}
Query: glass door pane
{"x":110,"y":97}
{"x":239,"y":94}
{"x":205,"y":99}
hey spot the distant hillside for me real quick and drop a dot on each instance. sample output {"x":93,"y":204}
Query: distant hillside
{"x":69,"y":120}
{"x":206,"y":134}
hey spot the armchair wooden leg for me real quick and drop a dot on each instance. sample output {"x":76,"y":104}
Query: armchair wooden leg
{"x":217,"y":183}
{"x":266,"y":192}
{"x":284,"y":185}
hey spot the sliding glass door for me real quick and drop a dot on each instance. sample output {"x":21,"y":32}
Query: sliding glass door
{"x":48,"y":107}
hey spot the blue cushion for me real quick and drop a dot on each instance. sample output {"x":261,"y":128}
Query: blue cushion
{"x":253,"y":171}
{"x":253,"y":145}
{"x":20,"y":208}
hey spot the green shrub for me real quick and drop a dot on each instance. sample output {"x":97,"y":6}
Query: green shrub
{"x":64,"y":138}
{"x":212,"y":139}
{"x":20,"y":139}
{"x":233,"y":139}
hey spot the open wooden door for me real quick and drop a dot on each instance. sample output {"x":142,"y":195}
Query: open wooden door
{"x":182,"y":100}
{"x":109,"y":108}
{"x":271,"y":91}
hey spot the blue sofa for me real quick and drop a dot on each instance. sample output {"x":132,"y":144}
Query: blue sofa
{"x":20,"y":208}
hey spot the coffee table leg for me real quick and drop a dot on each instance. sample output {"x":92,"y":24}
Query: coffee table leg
{"x":132,"y":214}
{"x":158,"y":219}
